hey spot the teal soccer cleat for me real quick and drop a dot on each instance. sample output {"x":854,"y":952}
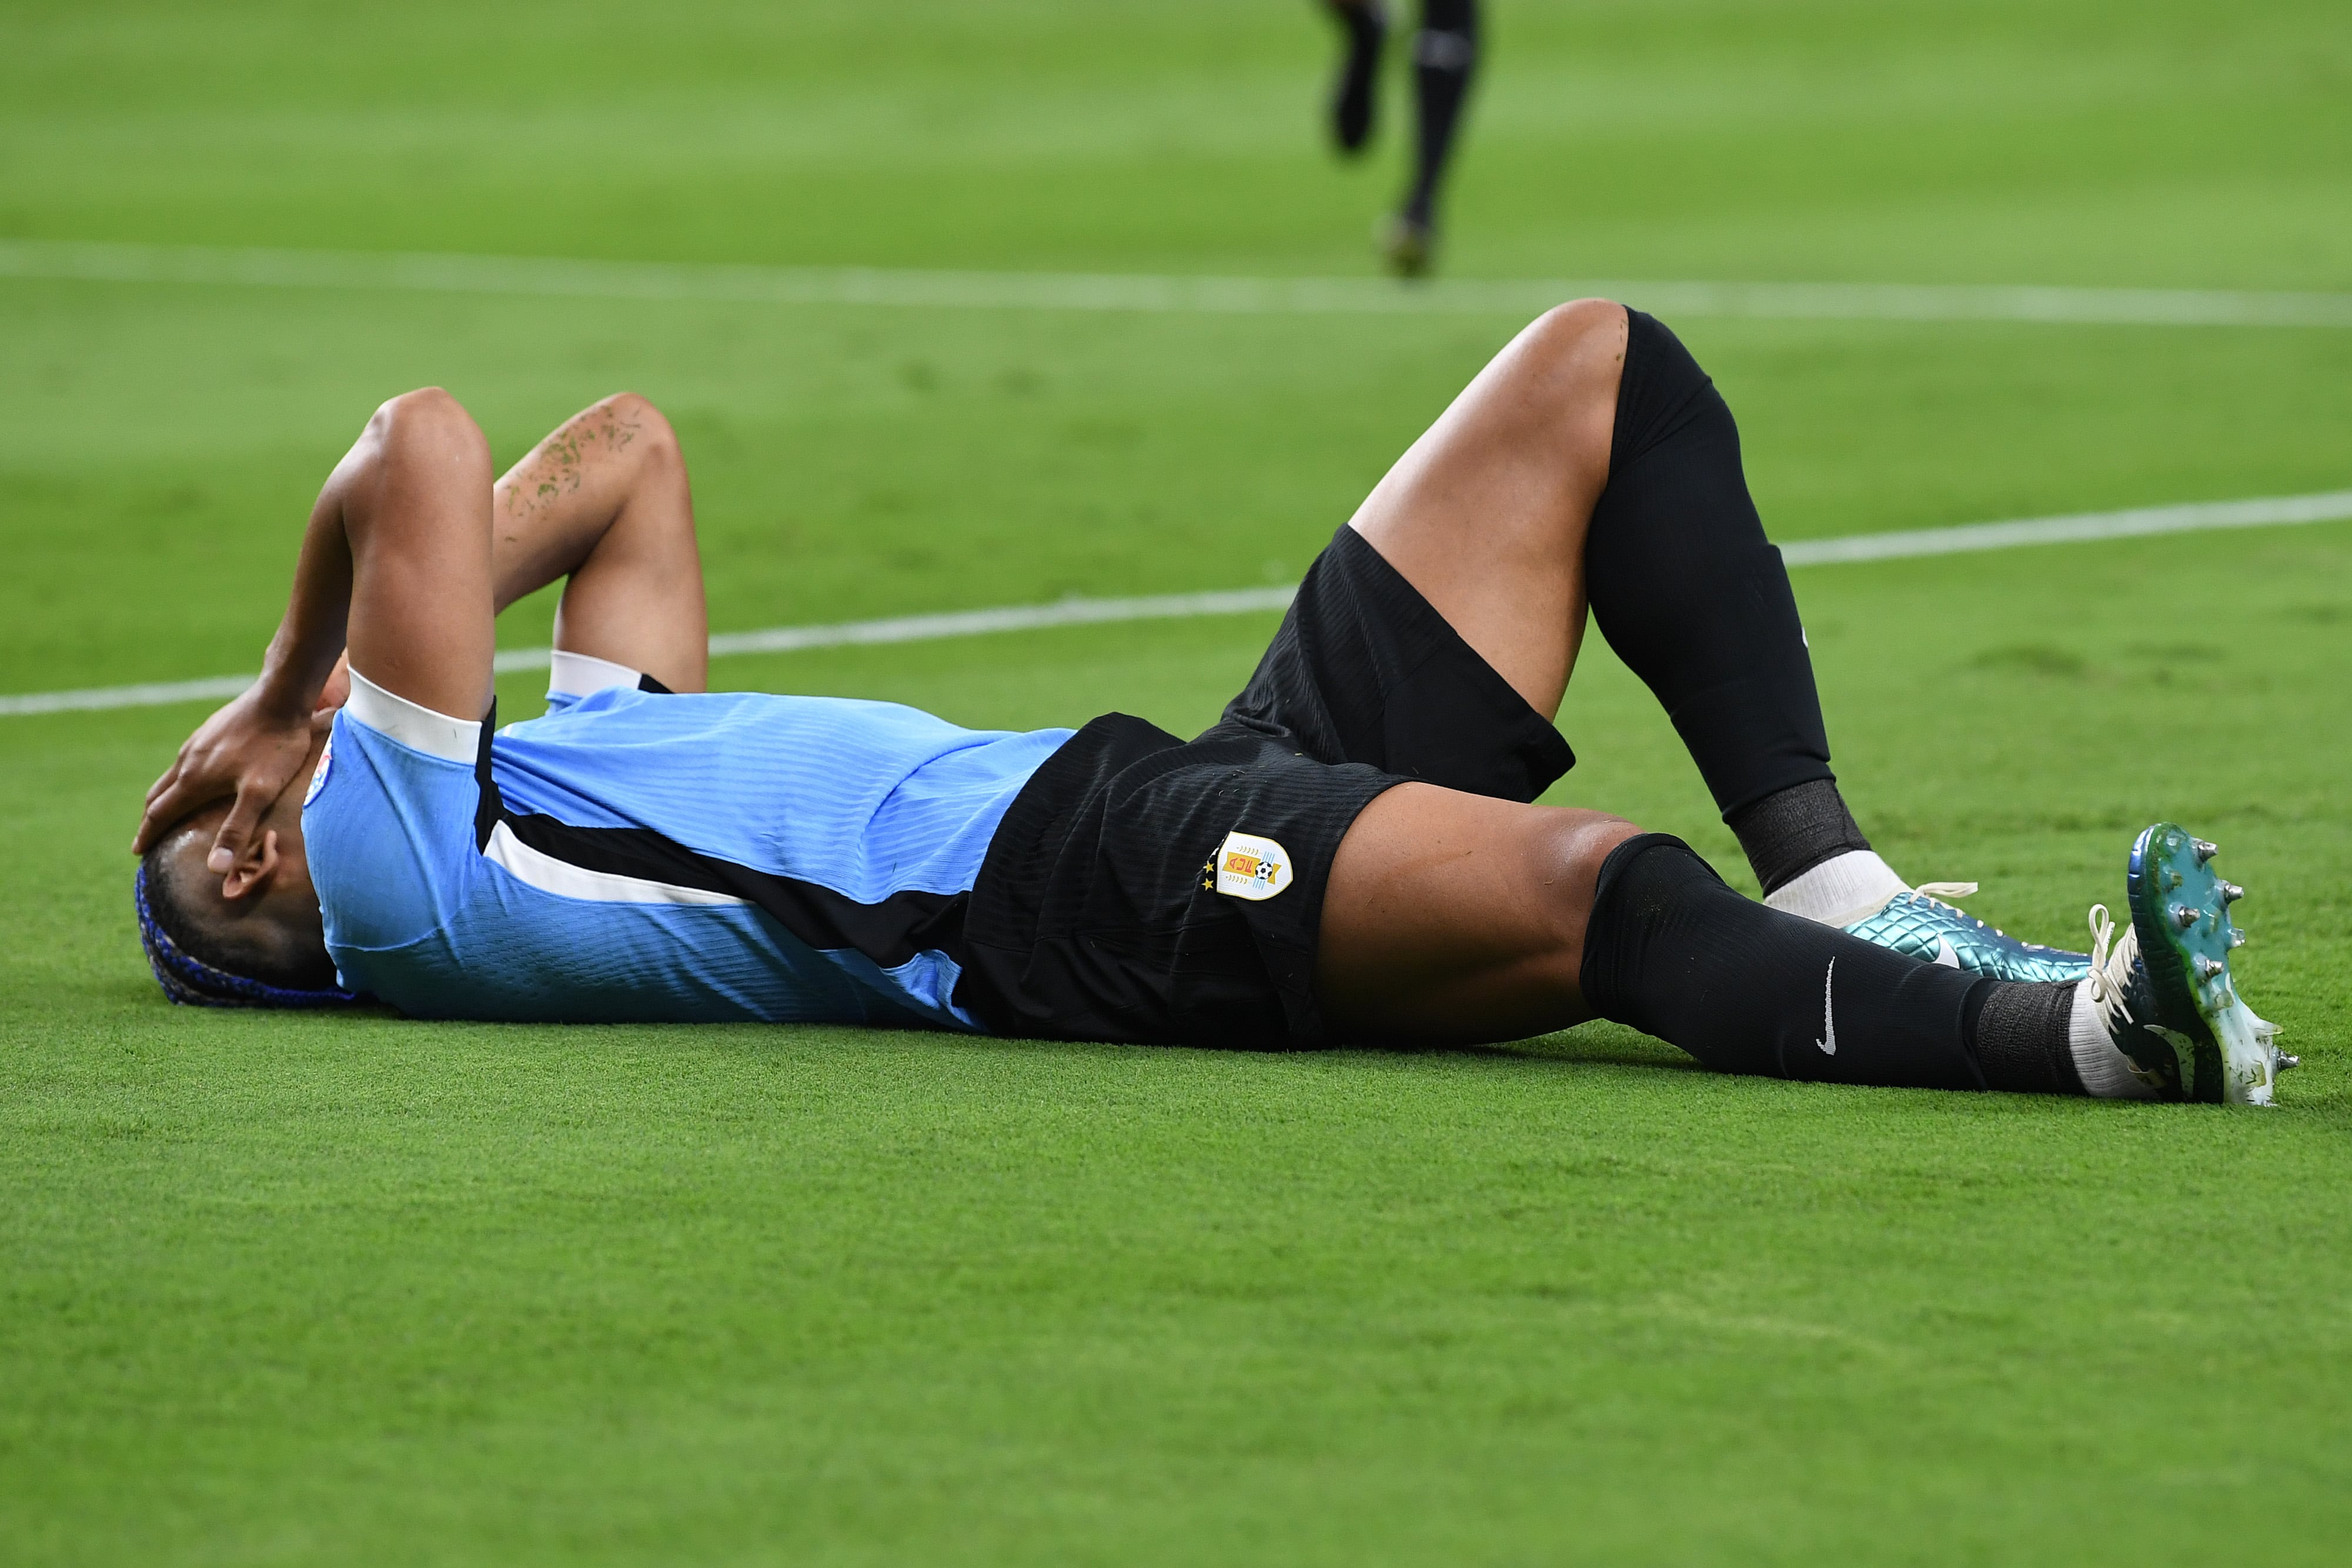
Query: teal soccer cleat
{"x":2163,"y":991}
{"x":1925,"y":927}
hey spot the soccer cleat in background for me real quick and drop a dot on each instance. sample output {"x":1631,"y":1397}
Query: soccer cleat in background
{"x":1406,"y":241}
{"x":2164,"y":989}
{"x":1920,"y":925}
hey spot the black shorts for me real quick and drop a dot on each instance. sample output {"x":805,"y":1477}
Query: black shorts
{"x":1097,"y":912}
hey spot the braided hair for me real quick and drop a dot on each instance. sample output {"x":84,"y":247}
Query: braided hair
{"x":189,"y":981}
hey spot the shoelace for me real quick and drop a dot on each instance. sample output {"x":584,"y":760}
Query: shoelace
{"x":1951,"y":889}
{"x":2104,"y":990}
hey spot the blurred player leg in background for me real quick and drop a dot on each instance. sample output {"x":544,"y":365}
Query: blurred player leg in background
{"x":1355,"y":97}
{"x":1445,"y":56}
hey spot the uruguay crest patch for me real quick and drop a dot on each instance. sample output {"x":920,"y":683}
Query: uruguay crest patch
{"x":319,"y":777}
{"x":1250,"y":867}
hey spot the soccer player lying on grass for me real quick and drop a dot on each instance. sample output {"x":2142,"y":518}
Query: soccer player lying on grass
{"x":1348,"y":854}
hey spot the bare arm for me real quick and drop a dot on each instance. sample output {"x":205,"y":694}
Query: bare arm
{"x":604,"y":501}
{"x":395,"y":566}
{"x":410,"y":553}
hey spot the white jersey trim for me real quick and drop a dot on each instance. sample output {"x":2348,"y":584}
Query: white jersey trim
{"x":583,"y":675}
{"x":542,"y":871}
{"x":411,"y":724}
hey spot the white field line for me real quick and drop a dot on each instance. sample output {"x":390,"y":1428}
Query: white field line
{"x":775,"y":640}
{"x":2331,"y":506}
{"x":554,"y":277}
{"x":2328,"y":507}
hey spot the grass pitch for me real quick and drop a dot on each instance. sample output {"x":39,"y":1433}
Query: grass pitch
{"x":298,"y":1290}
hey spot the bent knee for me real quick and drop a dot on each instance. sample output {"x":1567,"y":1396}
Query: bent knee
{"x":1574,"y":316}
{"x":1569,"y":359}
{"x":1575,"y":845}
{"x":1581,"y":328}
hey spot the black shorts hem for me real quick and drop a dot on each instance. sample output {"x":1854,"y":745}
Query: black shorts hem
{"x":1095,"y":912}
{"x":1364,"y":669}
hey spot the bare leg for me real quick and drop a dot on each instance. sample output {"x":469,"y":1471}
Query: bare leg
{"x":1485,"y":514}
{"x":1451,"y":917}
{"x":605,"y":500}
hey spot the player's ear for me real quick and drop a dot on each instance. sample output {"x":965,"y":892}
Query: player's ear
{"x":255,"y":864}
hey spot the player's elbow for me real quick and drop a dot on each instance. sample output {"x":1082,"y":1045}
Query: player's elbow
{"x":637,"y":430}
{"x":427,"y":423}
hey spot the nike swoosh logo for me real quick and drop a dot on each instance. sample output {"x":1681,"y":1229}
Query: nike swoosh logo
{"x":1829,"y":1013}
{"x":1944,"y":954}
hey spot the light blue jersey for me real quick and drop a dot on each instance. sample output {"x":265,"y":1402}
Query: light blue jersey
{"x":637,"y":854}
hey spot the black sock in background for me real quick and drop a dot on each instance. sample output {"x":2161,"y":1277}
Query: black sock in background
{"x":1674,"y":953}
{"x":1444,"y":58}
{"x":1787,"y":833}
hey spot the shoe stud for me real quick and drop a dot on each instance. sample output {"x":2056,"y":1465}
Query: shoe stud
{"x":2208,"y":968}
{"x":2237,"y":937}
{"x":2285,"y":1061}
{"x":2205,"y":851}
{"x":2183,"y":917}
{"x":2231,"y":893}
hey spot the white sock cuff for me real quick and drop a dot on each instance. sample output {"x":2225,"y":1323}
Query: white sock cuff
{"x":2105,"y":1071}
{"x":1842,"y":890}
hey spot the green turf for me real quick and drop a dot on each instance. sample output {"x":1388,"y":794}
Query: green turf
{"x":302,"y":1289}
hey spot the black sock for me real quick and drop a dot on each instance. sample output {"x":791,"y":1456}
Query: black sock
{"x":1689,"y":591}
{"x":1671,"y":951}
{"x":2025,"y":1039}
{"x":1353,"y":101}
{"x":1444,"y":58}
{"x":1787,"y":833}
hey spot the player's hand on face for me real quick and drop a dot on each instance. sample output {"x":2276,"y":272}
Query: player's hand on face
{"x":246,"y":750}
